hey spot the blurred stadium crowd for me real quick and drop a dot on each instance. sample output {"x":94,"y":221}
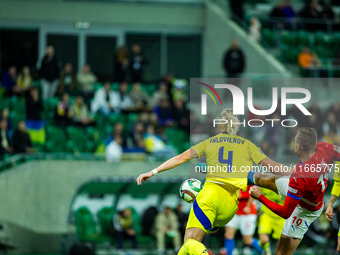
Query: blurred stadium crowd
{"x":121,"y":116}
{"x":305,"y":39}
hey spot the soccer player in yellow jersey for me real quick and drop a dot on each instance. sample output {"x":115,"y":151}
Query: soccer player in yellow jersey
{"x":229,"y":158}
{"x":269,"y":222}
{"x":334,"y":196}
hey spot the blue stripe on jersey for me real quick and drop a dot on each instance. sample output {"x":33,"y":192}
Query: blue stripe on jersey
{"x":203,"y":219}
{"x":306,"y":224}
{"x":292,"y":196}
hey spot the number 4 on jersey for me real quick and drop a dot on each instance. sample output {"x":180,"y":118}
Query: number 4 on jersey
{"x":223,"y":160}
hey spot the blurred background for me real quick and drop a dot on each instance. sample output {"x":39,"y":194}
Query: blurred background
{"x":93,"y":93}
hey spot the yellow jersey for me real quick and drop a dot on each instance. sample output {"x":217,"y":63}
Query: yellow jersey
{"x":229,"y":158}
{"x":336,"y":185}
{"x":271,"y":195}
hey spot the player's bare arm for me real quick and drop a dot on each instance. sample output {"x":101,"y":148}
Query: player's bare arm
{"x":329,"y":211}
{"x":167,"y":165}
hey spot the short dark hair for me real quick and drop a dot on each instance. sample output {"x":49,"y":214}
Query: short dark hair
{"x":307,"y":138}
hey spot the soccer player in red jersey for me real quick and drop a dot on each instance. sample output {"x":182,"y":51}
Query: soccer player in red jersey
{"x":303,"y":192}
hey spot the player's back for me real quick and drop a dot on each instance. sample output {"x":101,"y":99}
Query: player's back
{"x":310,"y":177}
{"x":229,"y":158}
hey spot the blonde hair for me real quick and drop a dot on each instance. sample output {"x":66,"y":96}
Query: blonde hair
{"x":233,"y":123}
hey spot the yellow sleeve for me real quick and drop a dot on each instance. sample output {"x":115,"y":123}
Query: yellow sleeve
{"x":255,"y":153}
{"x":336,"y":188}
{"x":336,"y":185}
{"x":200,"y":149}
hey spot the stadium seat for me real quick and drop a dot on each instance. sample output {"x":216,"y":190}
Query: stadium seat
{"x":305,"y":38}
{"x":86,"y":227}
{"x":105,"y":218}
{"x":289,"y":54}
{"x":325,"y":51}
{"x":268,"y":37}
{"x":288,"y":38}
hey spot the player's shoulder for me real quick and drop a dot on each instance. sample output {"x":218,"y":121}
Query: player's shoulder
{"x":327,"y":147}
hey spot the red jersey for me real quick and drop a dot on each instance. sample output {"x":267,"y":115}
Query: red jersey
{"x":309,"y":181}
{"x":242,"y":202}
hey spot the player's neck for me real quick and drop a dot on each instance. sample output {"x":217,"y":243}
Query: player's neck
{"x":306,"y":156}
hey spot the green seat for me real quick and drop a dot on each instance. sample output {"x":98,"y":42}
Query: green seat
{"x":268,"y":37}
{"x":4,"y":103}
{"x":17,"y":105}
{"x":79,"y":138}
{"x":86,"y":227}
{"x":105,"y":220}
{"x":289,"y":54}
{"x":305,"y":38}
{"x":326,"y":51}
{"x":115,"y":118}
{"x":54,"y":146}
{"x":51,"y":103}
{"x":97,"y":85}
{"x":288,"y":38}
{"x":177,"y":138}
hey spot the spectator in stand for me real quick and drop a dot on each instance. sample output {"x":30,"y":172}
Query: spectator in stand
{"x":255,"y":29}
{"x":311,"y":63}
{"x":159,"y":130}
{"x":155,"y":145}
{"x":316,"y":123}
{"x":5,"y":116}
{"x":67,"y":80}
{"x":34,"y":106}
{"x":277,"y":15}
{"x":331,"y":129}
{"x":25,"y":80}
{"x":327,"y":12}
{"x":114,"y":150}
{"x":49,"y":73}
{"x":166,"y":225}
{"x":81,"y":115}
{"x":124,"y":101}
{"x":168,"y":80}
{"x":137,"y":135}
{"x":123,"y":224}
{"x":182,"y":219}
{"x":234,"y":60}
{"x":121,"y":64}
{"x":105,"y":100}
{"x":21,"y":140}
{"x":289,"y":14}
{"x":160,"y":94}
{"x":144,"y":118}
{"x":137,"y":63}
{"x":335,"y":108}
{"x":309,"y":12}
{"x":181,"y":116}
{"x":63,"y":114}
{"x":86,"y":79}
{"x":118,"y":130}
{"x":164,"y":113}
{"x":5,"y":146}
{"x":139,"y":98}
{"x":9,"y":82}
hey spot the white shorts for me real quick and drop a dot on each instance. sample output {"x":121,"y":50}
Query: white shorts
{"x":245,"y":223}
{"x":298,"y":223}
